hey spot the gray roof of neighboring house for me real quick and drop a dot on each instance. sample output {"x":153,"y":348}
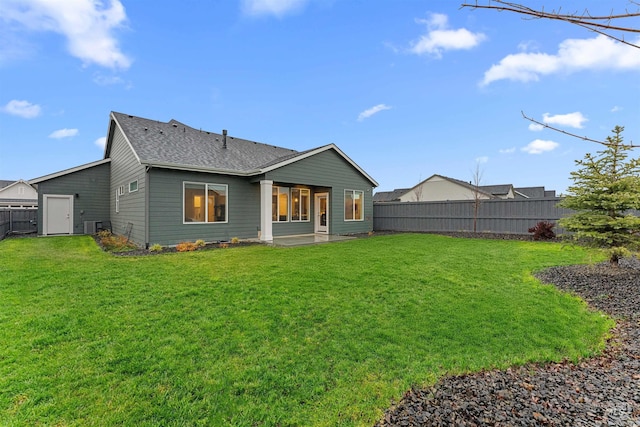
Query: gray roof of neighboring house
{"x":497,"y":189}
{"x":534,"y":192}
{"x":389,"y":196}
{"x":530,"y":192}
{"x":5,"y":183}
{"x":174,"y":143}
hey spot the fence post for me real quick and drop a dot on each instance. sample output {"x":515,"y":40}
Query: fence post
{"x":10,"y":221}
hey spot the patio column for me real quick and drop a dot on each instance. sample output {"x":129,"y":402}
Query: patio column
{"x":266,"y":189}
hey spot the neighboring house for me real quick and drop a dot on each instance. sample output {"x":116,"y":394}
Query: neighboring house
{"x":17,"y":195}
{"x":442,"y":188}
{"x":167,"y":182}
{"x":533,"y":193}
{"x":389,"y":196}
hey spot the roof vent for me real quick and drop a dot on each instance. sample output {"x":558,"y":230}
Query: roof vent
{"x":175,"y":125}
{"x":224,"y":139}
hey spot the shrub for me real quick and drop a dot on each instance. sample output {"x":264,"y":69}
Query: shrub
{"x":235,"y":240}
{"x":543,"y":231}
{"x":186,"y":247}
{"x":156,"y":248}
{"x":113,"y":243}
{"x":223,"y":245}
{"x":200,"y":243}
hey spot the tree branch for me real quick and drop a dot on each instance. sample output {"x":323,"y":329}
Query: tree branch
{"x":584,"y":138}
{"x":585,"y":20}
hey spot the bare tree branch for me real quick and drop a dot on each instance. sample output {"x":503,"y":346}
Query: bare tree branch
{"x":598,"y":24}
{"x":584,"y":138}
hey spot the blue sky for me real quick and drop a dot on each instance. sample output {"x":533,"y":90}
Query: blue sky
{"x":407,"y":89}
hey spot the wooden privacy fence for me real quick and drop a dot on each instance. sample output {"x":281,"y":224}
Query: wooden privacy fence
{"x":511,"y":216}
{"x":18,"y":221}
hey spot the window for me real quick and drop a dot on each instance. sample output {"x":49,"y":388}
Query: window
{"x":280,"y":204}
{"x":133,"y":186}
{"x":204,"y":202}
{"x":119,"y":192}
{"x":353,"y":205}
{"x":300,"y":204}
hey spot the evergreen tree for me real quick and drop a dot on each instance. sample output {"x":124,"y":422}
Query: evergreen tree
{"x":605,"y":189}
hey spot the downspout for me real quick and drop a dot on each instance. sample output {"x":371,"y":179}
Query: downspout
{"x":146,"y":206}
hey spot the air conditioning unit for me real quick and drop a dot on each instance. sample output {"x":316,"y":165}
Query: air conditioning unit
{"x":90,"y":227}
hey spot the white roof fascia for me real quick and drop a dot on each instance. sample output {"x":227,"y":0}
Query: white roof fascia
{"x":16,"y":183}
{"x":125,"y":138}
{"x":68,"y":171}
{"x":313,"y":153}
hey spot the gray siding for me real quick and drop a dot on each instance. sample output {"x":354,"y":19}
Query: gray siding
{"x":329,"y":170}
{"x":514,"y":216}
{"x":125,"y":168}
{"x":166,"y":208}
{"x":90,"y":188}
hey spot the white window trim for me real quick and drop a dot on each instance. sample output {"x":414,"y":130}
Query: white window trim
{"x":276,"y":187}
{"x":206,"y":204}
{"x":353,"y":193}
{"x":300,"y":201}
{"x":133,"y":182}
{"x":119,"y":192}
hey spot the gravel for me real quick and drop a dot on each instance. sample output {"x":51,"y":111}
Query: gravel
{"x":600,"y":391}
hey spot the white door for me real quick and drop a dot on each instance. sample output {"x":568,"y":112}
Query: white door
{"x":322,"y":213}
{"x":57,"y":214}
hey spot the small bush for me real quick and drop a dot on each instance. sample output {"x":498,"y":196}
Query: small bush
{"x":113,"y":243}
{"x":235,"y":240}
{"x":200,"y":243}
{"x":223,"y":245}
{"x":156,"y":248}
{"x":186,"y":247}
{"x":543,"y":231}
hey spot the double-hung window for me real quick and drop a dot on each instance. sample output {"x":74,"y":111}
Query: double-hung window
{"x":280,"y":204}
{"x":300,"y":200}
{"x":205,"y":202}
{"x":353,"y":205}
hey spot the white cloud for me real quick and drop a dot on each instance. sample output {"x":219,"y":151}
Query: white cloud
{"x":23,"y":109}
{"x":278,"y":8}
{"x":539,"y":146}
{"x":482,"y":159}
{"x":574,"y":120}
{"x":88,"y":26}
{"x":599,"y":53}
{"x":535,"y":127}
{"x":101,"y":142}
{"x":440,"y":38}
{"x":371,"y":111}
{"x":616,"y":108}
{"x":63,"y":133}
{"x":507,"y":150}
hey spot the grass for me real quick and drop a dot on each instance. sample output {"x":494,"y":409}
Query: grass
{"x":322,"y":335}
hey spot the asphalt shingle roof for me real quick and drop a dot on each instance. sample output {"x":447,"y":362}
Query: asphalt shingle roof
{"x":174,"y":143}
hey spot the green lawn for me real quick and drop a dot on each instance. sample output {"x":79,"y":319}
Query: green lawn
{"x":261,"y":336}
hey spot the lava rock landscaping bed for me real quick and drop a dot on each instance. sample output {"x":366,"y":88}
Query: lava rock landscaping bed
{"x":600,"y":391}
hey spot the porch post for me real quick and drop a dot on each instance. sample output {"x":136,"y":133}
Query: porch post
{"x":266,"y":188}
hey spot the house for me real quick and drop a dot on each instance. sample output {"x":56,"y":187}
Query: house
{"x":17,"y":195}
{"x":166,"y":182}
{"x":442,"y":188}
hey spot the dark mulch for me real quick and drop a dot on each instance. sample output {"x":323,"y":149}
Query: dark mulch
{"x":600,"y":391}
{"x":172,"y":249}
